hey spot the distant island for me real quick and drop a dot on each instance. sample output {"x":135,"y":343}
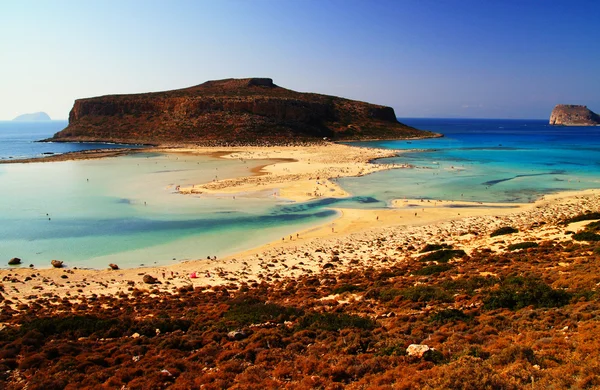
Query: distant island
{"x":573,"y":115}
{"x":231,"y":112}
{"x":34,"y":116}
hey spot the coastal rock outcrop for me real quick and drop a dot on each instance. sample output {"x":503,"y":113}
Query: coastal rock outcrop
{"x":230,"y":111}
{"x":573,"y":115}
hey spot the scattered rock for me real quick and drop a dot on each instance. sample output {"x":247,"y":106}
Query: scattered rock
{"x":237,"y":335}
{"x":149,"y":279}
{"x":14,"y":261}
{"x":113,"y":266}
{"x":57,"y":263}
{"x":417,"y":350}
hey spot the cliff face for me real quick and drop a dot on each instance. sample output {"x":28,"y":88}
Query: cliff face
{"x":572,"y":115}
{"x":233,"y":111}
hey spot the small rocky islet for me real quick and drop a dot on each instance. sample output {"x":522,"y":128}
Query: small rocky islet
{"x":573,"y":115}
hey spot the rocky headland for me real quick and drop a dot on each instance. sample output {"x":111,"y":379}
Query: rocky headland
{"x":573,"y":115}
{"x":230,"y":112}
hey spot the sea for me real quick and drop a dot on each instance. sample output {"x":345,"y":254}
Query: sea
{"x":125,"y":210}
{"x":20,"y":140}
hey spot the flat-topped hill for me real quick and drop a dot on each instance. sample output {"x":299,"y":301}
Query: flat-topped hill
{"x":573,"y":115}
{"x":231,"y":111}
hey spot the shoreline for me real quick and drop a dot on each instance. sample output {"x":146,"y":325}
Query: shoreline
{"x":79,"y":155}
{"x":296,"y":173}
{"x":360,"y":238}
{"x":300,"y":173}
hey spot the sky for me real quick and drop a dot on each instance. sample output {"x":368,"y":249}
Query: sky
{"x":424,"y":58}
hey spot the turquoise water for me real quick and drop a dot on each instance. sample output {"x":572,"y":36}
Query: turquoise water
{"x":504,"y":161}
{"x":125,"y":209}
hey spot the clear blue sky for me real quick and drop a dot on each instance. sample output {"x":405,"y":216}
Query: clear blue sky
{"x":495,"y":59}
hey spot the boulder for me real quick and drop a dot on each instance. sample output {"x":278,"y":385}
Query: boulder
{"x":417,"y":350}
{"x":236,"y":335}
{"x":14,"y":261}
{"x":149,"y":279}
{"x":57,"y":263}
{"x":113,"y":266}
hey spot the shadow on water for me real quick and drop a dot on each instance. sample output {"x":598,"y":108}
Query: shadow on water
{"x":494,"y":182}
{"x":329,"y":202}
{"x":217,"y":221}
{"x":72,"y":228}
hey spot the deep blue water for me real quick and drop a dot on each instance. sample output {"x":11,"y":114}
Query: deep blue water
{"x":18,"y":140}
{"x":494,"y":160}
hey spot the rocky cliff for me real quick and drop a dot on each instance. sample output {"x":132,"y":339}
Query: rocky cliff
{"x":231,"y":111}
{"x":573,"y":115}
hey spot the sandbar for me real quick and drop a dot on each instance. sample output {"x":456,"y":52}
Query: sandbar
{"x":356,"y":239}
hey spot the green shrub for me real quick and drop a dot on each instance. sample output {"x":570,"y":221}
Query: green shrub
{"x":469,"y":285}
{"x":504,"y":230}
{"x":426,"y":294}
{"x":386,"y":294}
{"x":443,"y":256}
{"x":347,"y":288}
{"x":518,"y":292}
{"x":75,"y":326}
{"x":522,"y":245}
{"x":334,"y":321}
{"x":433,"y":269}
{"x":593,"y":227}
{"x":148,"y":327}
{"x":434,"y":356}
{"x":449,"y":315}
{"x":582,"y":217}
{"x":248,"y":311}
{"x":586,"y":236}
{"x":393,"y":350}
{"x":434,"y":247}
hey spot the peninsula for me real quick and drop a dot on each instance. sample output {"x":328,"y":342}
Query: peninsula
{"x":231,"y":112}
{"x":573,"y":115}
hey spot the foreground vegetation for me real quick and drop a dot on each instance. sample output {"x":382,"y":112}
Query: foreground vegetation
{"x":524,"y":318}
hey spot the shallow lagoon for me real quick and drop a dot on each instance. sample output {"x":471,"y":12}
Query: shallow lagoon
{"x":125,"y":210}
{"x":506,"y":161}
